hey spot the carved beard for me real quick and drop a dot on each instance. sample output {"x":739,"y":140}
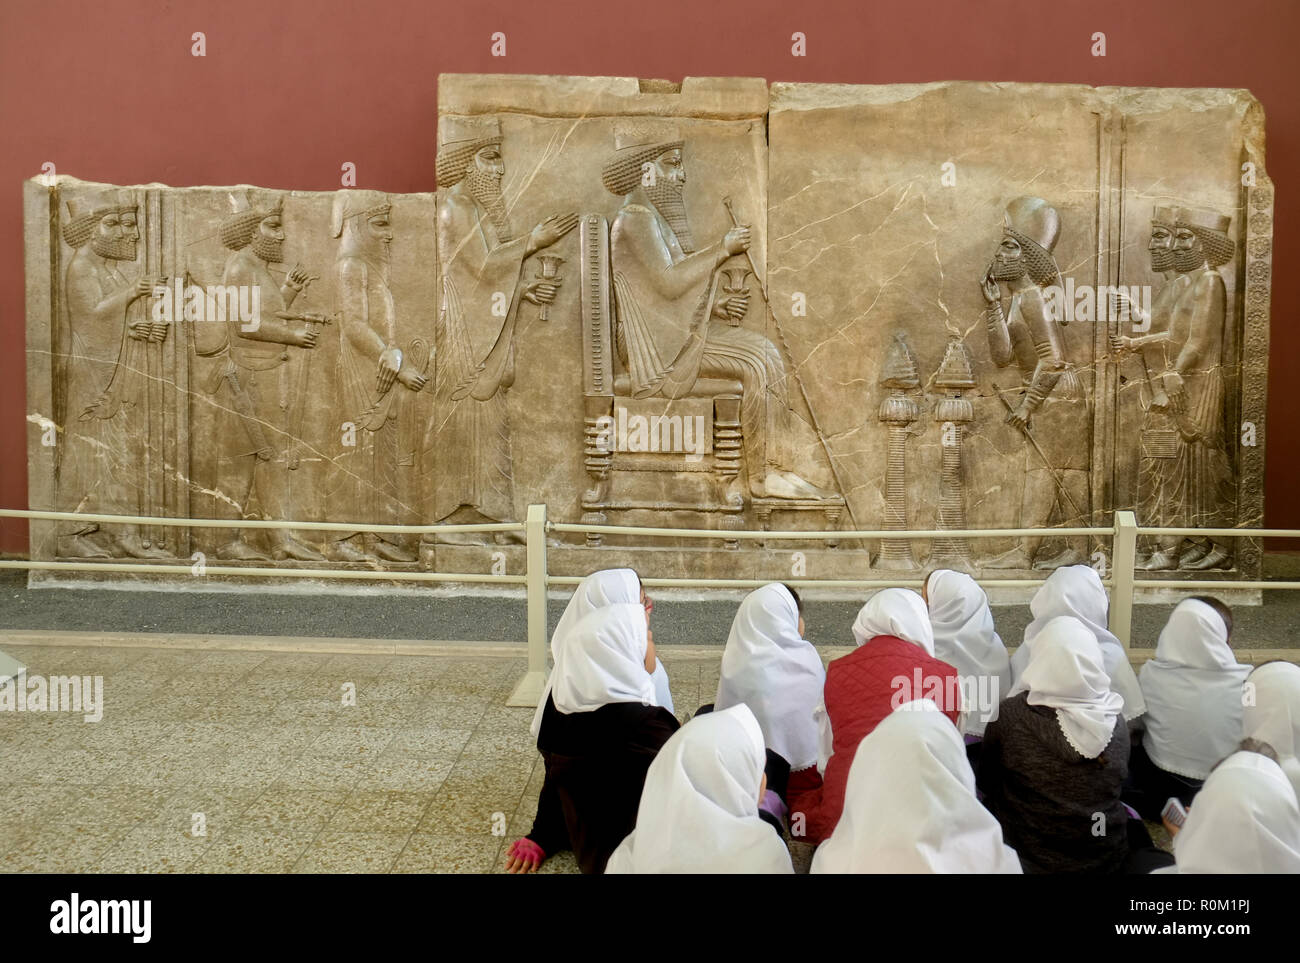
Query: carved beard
{"x":269,"y":250}
{"x":1163,"y":260}
{"x":667,"y":198}
{"x":486,"y":189}
{"x":115,"y":249}
{"x":375,"y":250}
{"x":1008,"y":270}
{"x":1189,"y":259}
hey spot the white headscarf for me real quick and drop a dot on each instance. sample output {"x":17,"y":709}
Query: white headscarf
{"x":1274,"y":716}
{"x":1192,"y":690}
{"x":699,"y":807}
{"x":603,"y":661}
{"x":964,"y":637}
{"x":1244,"y":820}
{"x":770,"y":668}
{"x":594,"y":592}
{"x":1077,"y":590}
{"x":1065,"y":672}
{"x":897,"y":612}
{"x":910,"y":805}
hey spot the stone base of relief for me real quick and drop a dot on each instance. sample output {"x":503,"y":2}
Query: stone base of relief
{"x":714,"y":305}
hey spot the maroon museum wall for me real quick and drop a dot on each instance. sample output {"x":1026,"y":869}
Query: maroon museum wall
{"x":290,"y":90}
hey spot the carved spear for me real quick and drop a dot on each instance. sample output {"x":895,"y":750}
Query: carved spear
{"x":794,"y":371}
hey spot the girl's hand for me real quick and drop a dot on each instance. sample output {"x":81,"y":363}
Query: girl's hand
{"x":524,"y":856}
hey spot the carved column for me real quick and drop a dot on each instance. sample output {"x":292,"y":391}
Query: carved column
{"x":953,"y":411}
{"x":898,"y":411}
{"x":598,"y":370}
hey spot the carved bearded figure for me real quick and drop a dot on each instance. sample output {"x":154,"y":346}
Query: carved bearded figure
{"x":375,"y":376}
{"x":672,"y":327}
{"x":258,"y":375}
{"x":1195,"y":386}
{"x":1052,"y":413}
{"x":482,"y":263}
{"x":105,"y":329}
{"x":1185,"y":475}
{"x":1159,"y":432}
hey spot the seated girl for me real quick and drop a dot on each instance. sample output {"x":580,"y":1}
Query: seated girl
{"x":1054,"y":760}
{"x":910,"y":806}
{"x":1192,"y":690}
{"x":1272,"y":713}
{"x":599,"y":729}
{"x":598,"y":590}
{"x":895,"y":658}
{"x":1076,"y":590}
{"x":964,"y":637}
{"x":769,"y":667}
{"x":1245,"y":820}
{"x":699,"y":808}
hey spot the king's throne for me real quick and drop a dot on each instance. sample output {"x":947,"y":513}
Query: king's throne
{"x":655,"y":460}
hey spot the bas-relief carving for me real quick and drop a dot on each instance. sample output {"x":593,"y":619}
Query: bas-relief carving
{"x":884,"y":247}
{"x":244,"y":361}
{"x":590,"y":313}
{"x":1051,"y":409}
{"x":484,"y":288}
{"x":106,"y":390}
{"x":1185,"y":473}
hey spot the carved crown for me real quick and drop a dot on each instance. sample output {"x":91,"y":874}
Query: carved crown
{"x":468,"y":130}
{"x":647,"y":132}
{"x":1205,"y":220}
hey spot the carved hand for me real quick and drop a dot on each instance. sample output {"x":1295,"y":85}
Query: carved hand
{"x":1173,"y":383}
{"x":540,"y":292}
{"x":1019,"y":419}
{"x":989,"y":288}
{"x":551,"y":230}
{"x":304,"y":337}
{"x":410,"y":378}
{"x":158,"y":331}
{"x":140,"y":330}
{"x":390,"y":362}
{"x":298,"y":279}
{"x":1120,"y":343}
{"x":736,"y":241}
{"x":144,"y":288}
{"x":732,"y":309}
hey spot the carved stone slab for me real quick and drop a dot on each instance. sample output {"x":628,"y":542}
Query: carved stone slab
{"x":711,"y":304}
{"x":887,"y":209}
{"x":214,"y":353}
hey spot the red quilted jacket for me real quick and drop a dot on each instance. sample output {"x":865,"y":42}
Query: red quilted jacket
{"x":861,"y":689}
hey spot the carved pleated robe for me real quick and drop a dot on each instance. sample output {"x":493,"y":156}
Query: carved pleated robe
{"x":467,"y":447}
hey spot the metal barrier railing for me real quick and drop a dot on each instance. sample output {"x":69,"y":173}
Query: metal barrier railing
{"x":537,"y":579}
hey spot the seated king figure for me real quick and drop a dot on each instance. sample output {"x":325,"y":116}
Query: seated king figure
{"x":671,"y":328}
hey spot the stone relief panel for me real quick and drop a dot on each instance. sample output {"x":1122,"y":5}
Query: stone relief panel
{"x":1007,"y":220}
{"x":231,"y":354}
{"x":1181,"y":368}
{"x":644,"y":383}
{"x":711,"y":304}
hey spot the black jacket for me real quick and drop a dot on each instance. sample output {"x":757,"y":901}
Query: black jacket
{"x":1060,"y":811}
{"x":595,"y":768}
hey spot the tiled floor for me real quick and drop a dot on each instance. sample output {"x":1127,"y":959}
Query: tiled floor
{"x":234,"y":762}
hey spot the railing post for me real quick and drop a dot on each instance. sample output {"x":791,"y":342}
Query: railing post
{"x":529,"y":690}
{"x":1121,"y":567}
